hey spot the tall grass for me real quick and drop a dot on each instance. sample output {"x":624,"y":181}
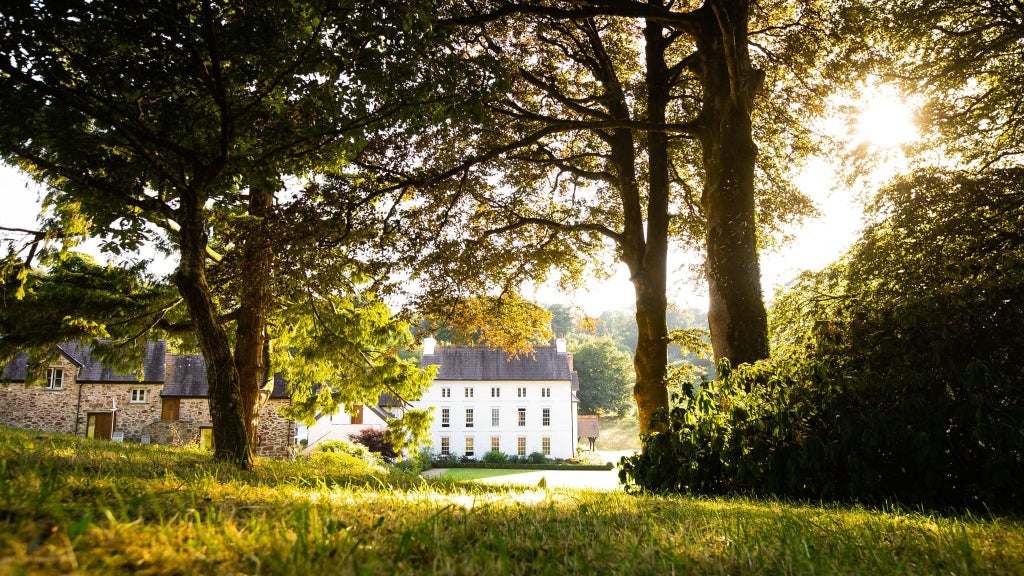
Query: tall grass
{"x":74,"y":505}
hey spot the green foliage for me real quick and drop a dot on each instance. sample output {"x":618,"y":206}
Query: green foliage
{"x":77,"y":299}
{"x":536,"y":458}
{"x":901,"y":378}
{"x":606,"y":376}
{"x":342,"y":452}
{"x":339,"y":352}
{"x":376,"y":441}
{"x":620,"y":326}
{"x":494,"y":457}
{"x":961,"y":59}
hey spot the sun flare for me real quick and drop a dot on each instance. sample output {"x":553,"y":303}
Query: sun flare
{"x":884,"y":119}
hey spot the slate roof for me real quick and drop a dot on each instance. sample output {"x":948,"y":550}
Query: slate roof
{"x":188,"y":380}
{"x":16,"y":369}
{"x":92,"y":370}
{"x":465,"y":363}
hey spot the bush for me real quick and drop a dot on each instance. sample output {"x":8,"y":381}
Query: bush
{"x":350,"y":448}
{"x":345,"y":460}
{"x":494,"y":457}
{"x":374,"y":439}
{"x":414,"y":464}
{"x":442,"y":461}
{"x":536,"y":458}
{"x":786,"y":429}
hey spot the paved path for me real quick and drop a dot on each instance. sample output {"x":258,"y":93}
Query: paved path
{"x":592,"y":479}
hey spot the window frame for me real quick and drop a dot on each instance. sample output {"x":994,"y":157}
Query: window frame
{"x":545,"y":445}
{"x":54,"y":375}
{"x":446,"y":446}
{"x":446,"y":417}
{"x":495,"y":417}
{"x":138,"y":396}
{"x":470,"y":418}
{"x":545,"y":417}
{"x":521,"y":446}
{"x":470,"y":451}
{"x":521,"y":418}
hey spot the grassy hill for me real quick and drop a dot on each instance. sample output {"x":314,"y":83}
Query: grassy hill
{"x":619,"y":433}
{"x":70,"y":505}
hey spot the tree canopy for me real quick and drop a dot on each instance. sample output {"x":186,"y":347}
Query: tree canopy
{"x":623,"y":128}
{"x":181,"y":122}
{"x":605,"y":376}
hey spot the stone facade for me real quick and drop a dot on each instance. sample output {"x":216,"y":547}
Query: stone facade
{"x":39,"y":408}
{"x":131,"y":407}
{"x":129,"y":417}
{"x":276,"y":433}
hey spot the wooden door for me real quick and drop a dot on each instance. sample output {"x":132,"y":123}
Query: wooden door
{"x":99,"y":425}
{"x":169,"y":408}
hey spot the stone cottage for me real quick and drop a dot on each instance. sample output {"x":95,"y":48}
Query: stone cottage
{"x":164,"y":403}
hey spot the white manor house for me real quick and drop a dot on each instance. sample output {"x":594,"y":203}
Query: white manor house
{"x":484,"y":399}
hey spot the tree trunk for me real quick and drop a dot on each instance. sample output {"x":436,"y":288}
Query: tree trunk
{"x":737,"y":317}
{"x":254,"y":300}
{"x":226,"y":412}
{"x":649,"y":272}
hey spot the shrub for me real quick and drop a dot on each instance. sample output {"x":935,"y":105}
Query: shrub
{"x":374,"y":439}
{"x":536,"y":458}
{"x":441,"y":461}
{"x":346,"y":462}
{"x":785,"y":428}
{"x":494,"y":457}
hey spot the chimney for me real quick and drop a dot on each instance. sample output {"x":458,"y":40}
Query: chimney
{"x":560,"y":345}
{"x":428,"y":346}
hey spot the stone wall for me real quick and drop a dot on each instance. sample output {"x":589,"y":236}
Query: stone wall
{"x":276,"y":433}
{"x":130,"y":417}
{"x":66,"y":411}
{"x":195,"y":410}
{"x":37,"y":408}
{"x":172,"y":432}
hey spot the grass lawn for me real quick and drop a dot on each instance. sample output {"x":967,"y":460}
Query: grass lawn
{"x":70,"y":505}
{"x":477,"y":473}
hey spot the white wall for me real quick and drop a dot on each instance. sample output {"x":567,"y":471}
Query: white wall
{"x":337,"y":427}
{"x":561,"y":430}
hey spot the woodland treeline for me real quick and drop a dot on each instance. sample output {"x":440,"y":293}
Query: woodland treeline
{"x":305,"y":161}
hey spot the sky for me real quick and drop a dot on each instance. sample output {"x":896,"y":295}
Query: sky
{"x":884,"y":121}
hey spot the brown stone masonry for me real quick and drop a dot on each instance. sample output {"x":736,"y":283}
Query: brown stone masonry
{"x":63,"y":405}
